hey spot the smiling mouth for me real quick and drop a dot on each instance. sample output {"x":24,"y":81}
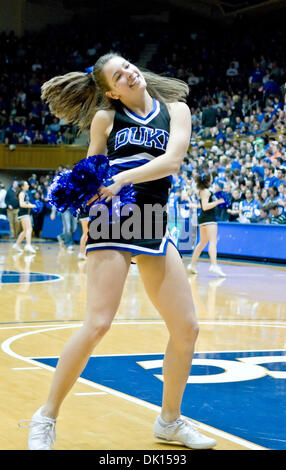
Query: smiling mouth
{"x":134,"y":81}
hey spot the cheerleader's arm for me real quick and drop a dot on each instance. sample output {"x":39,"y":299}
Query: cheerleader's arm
{"x":99,"y":131}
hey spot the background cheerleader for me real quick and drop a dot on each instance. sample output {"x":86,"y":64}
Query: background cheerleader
{"x":25,"y":218}
{"x":207,"y":225}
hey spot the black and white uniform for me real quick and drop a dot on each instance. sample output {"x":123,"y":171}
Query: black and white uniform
{"x":209,"y":216}
{"x":134,"y":141}
{"x":24,"y":211}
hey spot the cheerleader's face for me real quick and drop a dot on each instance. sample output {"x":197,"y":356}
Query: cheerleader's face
{"x":123,"y":78}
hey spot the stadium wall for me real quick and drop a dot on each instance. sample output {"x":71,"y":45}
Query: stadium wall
{"x":39,"y":157}
{"x":25,"y":15}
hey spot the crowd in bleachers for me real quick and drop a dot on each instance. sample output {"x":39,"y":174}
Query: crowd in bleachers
{"x":28,"y":61}
{"x":236,"y":98}
{"x":249,"y":175}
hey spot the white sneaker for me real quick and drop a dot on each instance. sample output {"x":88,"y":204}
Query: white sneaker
{"x":17,"y":247}
{"x":215,"y":269}
{"x":42,"y":432}
{"x":191,"y":269}
{"x":81,"y":255}
{"x":184,"y":432}
{"x":30,"y":249}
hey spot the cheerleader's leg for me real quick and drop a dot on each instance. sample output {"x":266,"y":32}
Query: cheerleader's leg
{"x":168,"y":288}
{"x":106,"y":275}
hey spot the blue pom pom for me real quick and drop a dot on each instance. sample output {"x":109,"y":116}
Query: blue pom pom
{"x":59,"y":192}
{"x":87,"y":176}
{"x":72,"y":189}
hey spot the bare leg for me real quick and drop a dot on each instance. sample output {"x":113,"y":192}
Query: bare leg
{"x":29,"y":229}
{"x":22,"y":235}
{"x":200,"y":246}
{"x":212,"y":237}
{"x":106,"y":275}
{"x":84,"y":226}
{"x":20,"y":238}
{"x":167,"y":286}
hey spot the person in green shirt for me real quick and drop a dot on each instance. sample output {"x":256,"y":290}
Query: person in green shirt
{"x":277,"y":218}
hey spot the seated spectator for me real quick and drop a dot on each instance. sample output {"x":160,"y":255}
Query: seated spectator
{"x":259,"y":115}
{"x":281,"y":201}
{"x":232,"y":70}
{"x":55,"y":125}
{"x":263,"y":196}
{"x":38,"y":138}
{"x":209,"y":116}
{"x":273,"y":195}
{"x":269,"y":178}
{"x":25,"y":138}
{"x":193,"y":80}
{"x":248,"y":207}
{"x":233,"y":210}
{"x":264,"y":216}
{"x":266,"y":123}
{"x":50,"y":137}
{"x":271,"y":88}
{"x":277,"y":216}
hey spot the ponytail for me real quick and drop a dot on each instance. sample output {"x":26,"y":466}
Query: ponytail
{"x":72,"y":97}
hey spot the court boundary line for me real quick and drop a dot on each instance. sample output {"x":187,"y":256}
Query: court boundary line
{"x":6,"y":347}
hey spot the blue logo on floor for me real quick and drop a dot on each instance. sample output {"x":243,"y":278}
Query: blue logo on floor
{"x":16,"y":277}
{"x":242,"y":393}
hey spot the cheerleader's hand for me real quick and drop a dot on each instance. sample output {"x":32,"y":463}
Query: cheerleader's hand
{"x":106,"y":193}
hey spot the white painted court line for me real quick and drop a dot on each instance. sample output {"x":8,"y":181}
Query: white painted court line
{"x":84,"y":394}
{"x":6,"y":347}
{"x":25,"y":368}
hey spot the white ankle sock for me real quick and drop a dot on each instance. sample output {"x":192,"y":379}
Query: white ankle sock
{"x":164,"y":423}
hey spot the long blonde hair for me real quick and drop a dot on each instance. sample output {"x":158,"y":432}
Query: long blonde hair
{"x":77,"y":96}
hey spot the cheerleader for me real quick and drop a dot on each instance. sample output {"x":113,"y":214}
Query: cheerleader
{"x":140,"y":120}
{"x":207,"y":225}
{"x":25,"y":218}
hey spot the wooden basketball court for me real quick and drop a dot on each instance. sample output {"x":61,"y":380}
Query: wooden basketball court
{"x":238,"y":372}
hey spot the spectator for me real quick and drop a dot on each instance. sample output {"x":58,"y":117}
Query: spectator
{"x":271,"y":88}
{"x":256,"y":78}
{"x":273,"y":195}
{"x":38,"y":214}
{"x":3,"y":206}
{"x":269,"y":178}
{"x":248,"y":207}
{"x":12,"y":204}
{"x":233,"y":210}
{"x":277,"y":216}
{"x":264,"y":217}
{"x":209,"y":117}
{"x":232,"y":70}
